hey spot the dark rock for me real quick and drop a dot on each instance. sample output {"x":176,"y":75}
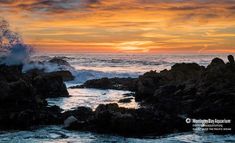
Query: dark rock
{"x":191,"y":90}
{"x":151,"y":81}
{"x":181,"y":72}
{"x":132,"y":94}
{"x":103,"y":83}
{"x":80,"y":113}
{"x":15,"y":94}
{"x":10,"y":73}
{"x":216,"y":62}
{"x":231,"y":59}
{"x":129,"y":122}
{"x":33,"y":73}
{"x":69,"y":121}
{"x":147,"y":84}
{"x":59,"y":61}
{"x":65,"y":75}
{"x":21,"y":108}
{"x":108,"y":107}
{"x":22,"y":98}
{"x":112,"y":83}
{"x":50,"y":86}
{"x":125,"y":100}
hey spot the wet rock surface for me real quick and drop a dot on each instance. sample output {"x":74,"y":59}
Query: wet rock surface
{"x":23,"y":98}
{"x":125,"y":100}
{"x":10,"y":73}
{"x":129,"y":122}
{"x":50,"y":86}
{"x":65,"y":75}
{"x":59,"y":61}
{"x":207,"y":93}
{"x":112,"y":83}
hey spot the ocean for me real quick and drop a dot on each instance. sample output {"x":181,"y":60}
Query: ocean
{"x":92,"y":66}
{"x":97,"y":65}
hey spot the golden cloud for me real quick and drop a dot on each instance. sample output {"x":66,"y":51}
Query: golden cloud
{"x":130,"y":25}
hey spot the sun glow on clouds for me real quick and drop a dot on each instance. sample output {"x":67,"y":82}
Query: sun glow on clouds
{"x":160,"y":26}
{"x":134,"y":46}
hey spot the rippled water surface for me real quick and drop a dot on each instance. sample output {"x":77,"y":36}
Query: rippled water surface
{"x":91,"y":98}
{"x":55,"y":134}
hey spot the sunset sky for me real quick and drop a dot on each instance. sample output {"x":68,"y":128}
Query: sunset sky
{"x":142,"y":26}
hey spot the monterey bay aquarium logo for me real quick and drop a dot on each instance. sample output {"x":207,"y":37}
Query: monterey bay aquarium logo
{"x":210,"y":124}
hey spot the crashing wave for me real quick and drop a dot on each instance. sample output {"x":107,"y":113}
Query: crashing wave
{"x":14,"y":50}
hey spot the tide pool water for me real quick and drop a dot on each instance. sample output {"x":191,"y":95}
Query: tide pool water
{"x":91,"y":98}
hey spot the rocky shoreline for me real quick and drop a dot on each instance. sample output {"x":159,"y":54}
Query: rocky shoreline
{"x":187,"y":90}
{"x":167,"y":98}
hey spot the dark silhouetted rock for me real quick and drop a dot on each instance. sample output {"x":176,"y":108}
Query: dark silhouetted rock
{"x":216,"y":62}
{"x":147,"y":84}
{"x":21,"y":107}
{"x":66,"y":75}
{"x":231,"y":59}
{"x":69,"y":121}
{"x":130,"y":122}
{"x":59,"y":61}
{"x":112,"y":83}
{"x":22,"y":98}
{"x":125,"y":100}
{"x":10,"y":73}
{"x":50,"y":86}
{"x":80,"y":113}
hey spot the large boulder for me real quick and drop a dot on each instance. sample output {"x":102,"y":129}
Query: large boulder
{"x":22,"y":98}
{"x":80,"y":113}
{"x":125,"y":100}
{"x":21,"y":107}
{"x":25,"y":119}
{"x":50,"y":86}
{"x":147,"y":84}
{"x":110,"y":83}
{"x":65,"y":75}
{"x":179,"y":73}
{"x":69,"y":121}
{"x":10,"y":73}
{"x":103,"y":83}
{"x":18,"y":94}
{"x":216,"y":62}
{"x":231,"y":59}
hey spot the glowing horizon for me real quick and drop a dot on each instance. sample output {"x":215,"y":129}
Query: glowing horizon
{"x":130,"y":26}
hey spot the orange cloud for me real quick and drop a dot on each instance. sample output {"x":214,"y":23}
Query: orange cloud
{"x":124,"y":26}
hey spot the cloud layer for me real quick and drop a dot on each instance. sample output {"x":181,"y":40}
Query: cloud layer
{"x":160,"y":26}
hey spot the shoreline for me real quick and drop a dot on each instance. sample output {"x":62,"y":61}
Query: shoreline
{"x":157,"y":87}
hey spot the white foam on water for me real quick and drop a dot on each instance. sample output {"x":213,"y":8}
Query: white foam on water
{"x":52,"y":134}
